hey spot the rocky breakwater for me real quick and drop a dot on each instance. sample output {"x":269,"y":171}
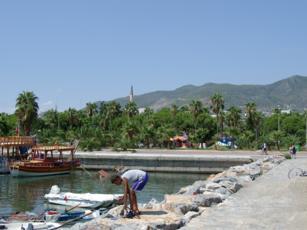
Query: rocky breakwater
{"x":178,"y":209}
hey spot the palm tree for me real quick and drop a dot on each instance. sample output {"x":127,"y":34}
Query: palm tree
{"x":174,"y":109}
{"x":4,"y":126}
{"x":257,"y":122}
{"x":51,"y":119}
{"x":131,"y":109}
{"x":91,"y":109}
{"x":253,"y":118}
{"x":148,"y":112}
{"x":250,"y":109}
{"x":72,"y":117}
{"x":26,"y":110}
{"x":196,"y":108}
{"x":233,"y":117}
{"x":217,"y":106}
{"x":111,"y":110}
{"x":277,"y":111}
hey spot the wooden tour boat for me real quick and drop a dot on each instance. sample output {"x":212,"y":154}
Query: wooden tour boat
{"x":40,"y":163}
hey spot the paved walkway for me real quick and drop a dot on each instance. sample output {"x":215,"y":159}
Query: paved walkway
{"x":271,"y":202}
{"x":188,"y":152}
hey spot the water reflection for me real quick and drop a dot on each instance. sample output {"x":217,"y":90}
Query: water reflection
{"x":27,"y":194}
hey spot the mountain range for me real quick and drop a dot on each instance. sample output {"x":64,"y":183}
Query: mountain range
{"x":289,"y":93}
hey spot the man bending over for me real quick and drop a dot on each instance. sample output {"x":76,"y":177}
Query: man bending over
{"x":133,"y":181}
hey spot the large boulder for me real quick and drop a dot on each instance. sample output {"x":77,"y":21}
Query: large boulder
{"x":212,"y":186}
{"x":179,"y":204}
{"x":207,"y":199}
{"x":233,"y":187}
{"x":223,"y":191}
{"x":193,"y":189}
{"x":182,"y":209}
{"x":189,"y":216}
{"x":267,"y":166}
{"x":224,"y":178}
{"x":254,"y":169}
{"x":245,"y":179}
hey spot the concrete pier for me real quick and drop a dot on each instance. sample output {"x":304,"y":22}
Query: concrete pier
{"x":165,"y":161}
{"x":271,"y":202}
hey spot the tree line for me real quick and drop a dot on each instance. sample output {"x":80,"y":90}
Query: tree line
{"x":109,"y":124}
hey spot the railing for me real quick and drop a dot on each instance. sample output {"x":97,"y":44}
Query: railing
{"x":52,"y":148}
{"x":16,"y":141}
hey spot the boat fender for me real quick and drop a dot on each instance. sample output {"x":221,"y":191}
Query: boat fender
{"x":52,"y":213}
{"x":30,"y":226}
{"x":55,"y":189}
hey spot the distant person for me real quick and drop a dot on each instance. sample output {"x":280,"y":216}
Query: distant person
{"x":133,"y":181}
{"x":292,"y":151}
{"x":265,"y":148}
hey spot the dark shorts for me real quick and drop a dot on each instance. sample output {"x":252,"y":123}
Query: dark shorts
{"x":140,"y":184}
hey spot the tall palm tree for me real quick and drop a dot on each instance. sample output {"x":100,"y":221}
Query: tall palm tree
{"x":111,"y":110}
{"x":51,"y":119}
{"x":277,"y":111}
{"x":196,"y":108}
{"x":72,"y":117}
{"x":233,"y":117}
{"x":217,"y":106}
{"x":253,"y":118}
{"x":131,"y":109}
{"x":26,"y":110}
{"x":174,"y":109}
{"x":250,"y":109}
{"x":91,"y":109}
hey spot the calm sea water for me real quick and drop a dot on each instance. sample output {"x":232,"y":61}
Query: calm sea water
{"x":27,"y":194}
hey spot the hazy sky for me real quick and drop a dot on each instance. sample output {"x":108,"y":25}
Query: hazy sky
{"x":73,"y":52}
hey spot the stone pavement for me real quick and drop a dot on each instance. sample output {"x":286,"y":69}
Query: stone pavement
{"x":271,"y":202}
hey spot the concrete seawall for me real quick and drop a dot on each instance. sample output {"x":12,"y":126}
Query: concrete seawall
{"x":162,"y":162}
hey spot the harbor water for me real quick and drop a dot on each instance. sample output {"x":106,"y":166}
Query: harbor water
{"x":27,"y":194}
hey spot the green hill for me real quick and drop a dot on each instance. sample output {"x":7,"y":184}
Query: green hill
{"x":287,"y":93}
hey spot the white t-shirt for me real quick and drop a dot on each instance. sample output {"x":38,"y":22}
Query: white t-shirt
{"x":133,"y":175}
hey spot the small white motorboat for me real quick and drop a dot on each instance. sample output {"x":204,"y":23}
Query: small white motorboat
{"x":29,"y":225}
{"x":81,"y":200}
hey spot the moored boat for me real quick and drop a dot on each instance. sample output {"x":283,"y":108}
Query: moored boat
{"x":82,"y":200}
{"x":29,"y":225}
{"x":55,"y":216}
{"x":40,"y":164}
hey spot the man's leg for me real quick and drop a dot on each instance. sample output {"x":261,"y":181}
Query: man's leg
{"x":134,"y":202}
{"x":130,"y":199}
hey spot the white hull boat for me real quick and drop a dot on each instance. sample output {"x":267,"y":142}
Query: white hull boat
{"x":29,"y":225}
{"x":81,"y":200}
